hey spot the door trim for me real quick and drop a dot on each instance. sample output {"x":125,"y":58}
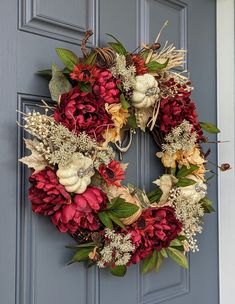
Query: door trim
{"x":226,"y":151}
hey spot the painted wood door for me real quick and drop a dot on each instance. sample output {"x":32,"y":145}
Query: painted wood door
{"x":32,"y":252}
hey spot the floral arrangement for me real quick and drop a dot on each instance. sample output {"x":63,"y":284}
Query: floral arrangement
{"x":78,"y":183}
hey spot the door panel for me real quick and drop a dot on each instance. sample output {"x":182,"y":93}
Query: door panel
{"x":33,"y":259}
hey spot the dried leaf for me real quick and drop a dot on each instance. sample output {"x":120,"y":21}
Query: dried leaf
{"x":35,"y":161}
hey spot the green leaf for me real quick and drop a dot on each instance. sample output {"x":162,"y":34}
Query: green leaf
{"x":68,"y":58}
{"x":119,"y":45}
{"x":163,"y":253}
{"x":150,"y":262}
{"x":90,"y":60}
{"x":209,"y":127}
{"x":124,"y":102}
{"x":155,"y":195}
{"x":105,"y":219}
{"x":122,"y":209}
{"x":132,"y":121}
{"x":181,"y":237}
{"x":175,"y":243}
{"x":154,"y":66}
{"x":58,"y":84}
{"x":116,"y":202}
{"x":81,"y":255}
{"x":74,"y":246}
{"x":118,"y":48}
{"x":115,"y":219}
{"x":119,"y":86}
{"x":46,"y":73}
{"x":66,"y":71}
{"x":207,"y":205}
{"x":144,"y":54}
{"x":178,"y":257}
{"x":118,"y":271}
{"x":184,"y":171}
{"x":85,"y":87}
{"x":184,"y":182}
{"x":159,"y":262}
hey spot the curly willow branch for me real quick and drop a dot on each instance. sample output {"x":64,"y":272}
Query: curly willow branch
{"x":87,"y":35}
{"x":105,"y":57}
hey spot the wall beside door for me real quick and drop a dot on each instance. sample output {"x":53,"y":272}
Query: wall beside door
{"x":226,"y":151}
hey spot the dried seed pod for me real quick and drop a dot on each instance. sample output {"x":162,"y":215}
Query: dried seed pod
{"x":225,"y":167}
{"x":155,"y":46}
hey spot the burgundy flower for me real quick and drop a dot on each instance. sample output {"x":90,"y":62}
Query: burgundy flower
{"x":154,"y":230}
{"x":139,"y":64}
{"x":80,"y":111}
{"x":46,"y":193}
{"x":173,"y":110}
{"x":105,"y":88}
{"x":85,"y":73}
{"x":113,"y":173}
{"x":82,"y":213}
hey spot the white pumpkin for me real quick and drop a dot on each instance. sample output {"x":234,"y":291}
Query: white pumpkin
{"x":145,"y":91}
{"x":76,"y":176}
{"x":195,"y":192}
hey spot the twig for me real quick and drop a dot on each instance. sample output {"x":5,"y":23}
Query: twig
{"x":87,"y":35}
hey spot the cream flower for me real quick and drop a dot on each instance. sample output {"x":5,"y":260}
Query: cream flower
{"x":183,"y":158}
{"x":169,"y":160}
{"x":200,"y":172}
{"x":166,"y":183}
{"x":192,"y":157}
{"x":119,"y":117}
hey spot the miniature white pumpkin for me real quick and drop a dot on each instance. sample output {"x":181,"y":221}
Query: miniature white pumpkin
{"x":145,"y":91}
{"x":76,"y":176}
{"x":195,"y":192}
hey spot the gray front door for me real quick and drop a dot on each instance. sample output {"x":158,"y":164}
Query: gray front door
{"x":32,"y":252}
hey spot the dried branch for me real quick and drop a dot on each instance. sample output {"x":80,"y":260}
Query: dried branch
{"x":87,"y":35}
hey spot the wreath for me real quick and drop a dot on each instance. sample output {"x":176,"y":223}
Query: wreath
{"x":99,"y":101}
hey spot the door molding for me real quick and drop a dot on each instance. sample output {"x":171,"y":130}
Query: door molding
{"x":226,"y":151}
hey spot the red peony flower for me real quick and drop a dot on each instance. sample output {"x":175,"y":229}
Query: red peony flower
{"x":173,"y":110}
{"x":85,"y":73}
{"x":46,"y":193}
{"x":80,"y":111}
{"x":105,"y":88}
{"x":113,"y":173}
{"x":139,"y":64}
{"x":154,"y":230}
{"x":82,"y":213}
